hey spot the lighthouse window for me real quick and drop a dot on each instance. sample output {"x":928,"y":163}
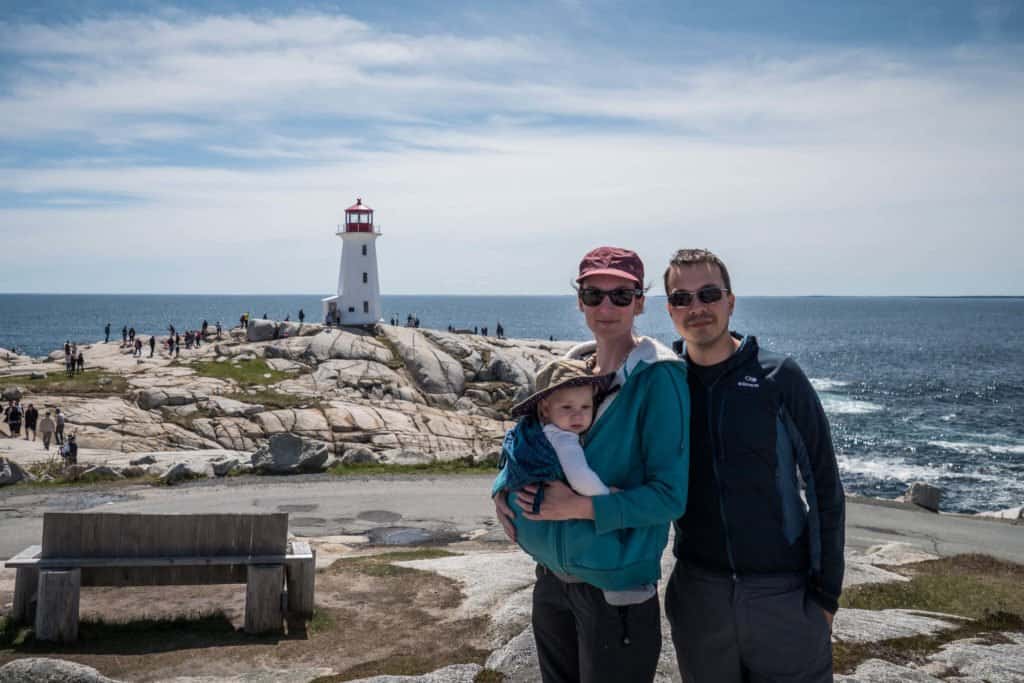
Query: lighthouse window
{"x":366,"y":307}
{"x":364,"y":250}
{"x":364,"y":278}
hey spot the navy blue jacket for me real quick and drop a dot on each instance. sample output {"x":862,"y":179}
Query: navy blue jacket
{"x":765,"y":495}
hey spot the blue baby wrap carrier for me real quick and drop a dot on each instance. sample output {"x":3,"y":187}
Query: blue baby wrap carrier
{"x":527,"y":457}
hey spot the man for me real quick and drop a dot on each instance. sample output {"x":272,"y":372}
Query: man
{"x":59,"y":433}
{"x":106,"y":334}
{"x":46,"y":429}
{"x":31,"y":417}
{"x":760,"y":549}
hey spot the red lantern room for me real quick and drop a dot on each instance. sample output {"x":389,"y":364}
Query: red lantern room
{"x":359,"y":217}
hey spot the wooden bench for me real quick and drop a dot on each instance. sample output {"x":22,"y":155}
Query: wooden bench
{"x":114,"y":549}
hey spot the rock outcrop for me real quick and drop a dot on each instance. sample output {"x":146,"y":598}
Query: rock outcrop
{"x":48,"y":670}
{"x":290,"y":454}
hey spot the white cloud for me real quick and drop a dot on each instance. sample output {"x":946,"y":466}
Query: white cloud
{"x":489,"y":155}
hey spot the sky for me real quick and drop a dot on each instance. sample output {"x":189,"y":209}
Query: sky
{"x":846,"y":148}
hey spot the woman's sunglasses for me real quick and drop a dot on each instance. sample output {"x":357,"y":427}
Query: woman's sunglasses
{"x":623,"y":296}
{"x":680,"y":298}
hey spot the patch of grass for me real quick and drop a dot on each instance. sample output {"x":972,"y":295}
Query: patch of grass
{"x":12,"y":635}
{"x":86,"y":383}
{"x":139,"y":636}
{"x":247,"y":373}
{"x":274,"y":399}
{"x":847,"y":656}
{"x":966,"y":585}
{"x":381,"y":565}
{"x":978,"y":587}
{"x":489,"y":676}
{"x":460,"y":466}
{"x":322,"y":621}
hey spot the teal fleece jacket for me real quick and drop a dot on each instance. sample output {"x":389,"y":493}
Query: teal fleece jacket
{"x":639,"y":443}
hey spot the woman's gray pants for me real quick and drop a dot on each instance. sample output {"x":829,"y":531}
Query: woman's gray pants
{"x":582,"y":639}
{"x":754,"y":629}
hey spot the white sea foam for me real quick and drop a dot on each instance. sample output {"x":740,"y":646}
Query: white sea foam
{"x":822,"y":384}
{"x":889,"y":468}
{"x":836,"y":405}
{"x":978,"y":447}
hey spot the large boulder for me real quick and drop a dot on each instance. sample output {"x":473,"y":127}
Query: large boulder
{"x":290,"y":454}
{"x":260,"y":330}
{"x":434,"y":370}
{"x":923,"y":495}
{"x":345,"y":345}
{"x":12,"y":473}
{"x":13,"y":393}
{"x":47,"y":670}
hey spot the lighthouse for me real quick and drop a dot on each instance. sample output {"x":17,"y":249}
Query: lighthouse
{"x":358,"y":298}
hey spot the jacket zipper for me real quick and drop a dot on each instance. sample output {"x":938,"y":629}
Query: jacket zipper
{"x":712,"y":432}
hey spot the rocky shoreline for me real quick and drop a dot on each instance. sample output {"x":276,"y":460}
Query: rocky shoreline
{"x":389,"y":395}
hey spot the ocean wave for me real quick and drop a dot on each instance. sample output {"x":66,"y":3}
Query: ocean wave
{"x":848,"y":406}
{"x":889,"y":469}
{"x":822,"y":384}
{"x":978,"y":447}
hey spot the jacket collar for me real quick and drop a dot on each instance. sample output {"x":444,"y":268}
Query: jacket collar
{"x":746,"y":351}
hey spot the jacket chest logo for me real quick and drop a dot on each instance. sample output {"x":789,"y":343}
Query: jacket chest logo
{"x":749,"y":382}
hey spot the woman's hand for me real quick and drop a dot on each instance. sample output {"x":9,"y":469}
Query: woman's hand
{"x":559,"y":503}
{"x":505,"y":514}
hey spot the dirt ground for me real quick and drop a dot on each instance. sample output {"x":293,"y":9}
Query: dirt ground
{"x":371,"y":618}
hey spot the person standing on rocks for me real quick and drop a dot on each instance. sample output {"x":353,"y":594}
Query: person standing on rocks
{"x":106,"y":334}
{"x":759,"y":552}
{"x":302,"y":316}
{"x":59,"y":433}
{"x":31,"y":417}
{"x":46,"y":430}
{"x":152,"y":345}
{"x":638,"y":443}
{"x":124,"y":336}
{"x":80,"y":362}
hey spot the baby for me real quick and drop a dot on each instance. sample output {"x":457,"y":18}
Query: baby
{"x":545,"y":444}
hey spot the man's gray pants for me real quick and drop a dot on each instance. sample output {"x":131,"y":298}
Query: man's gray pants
{"x":751,"y":630}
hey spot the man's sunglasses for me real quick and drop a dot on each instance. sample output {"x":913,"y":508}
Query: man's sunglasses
{"x":623,"y":296}
{"x":680,"y":298}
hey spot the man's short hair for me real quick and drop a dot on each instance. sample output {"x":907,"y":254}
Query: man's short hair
{"x":693,"y":257}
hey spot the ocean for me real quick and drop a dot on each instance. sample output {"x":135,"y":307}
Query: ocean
{"x":916,"y":389}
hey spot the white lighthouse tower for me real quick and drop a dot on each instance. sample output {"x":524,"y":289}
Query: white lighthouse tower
{"x":358,"y":298}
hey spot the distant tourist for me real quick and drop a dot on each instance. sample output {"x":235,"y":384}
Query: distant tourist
{"x":476,"y":330}
{"x":131,"y":334}
{"x":69,"y":452}
{"x":197,"y":337}
{"x":499,"y":330}
{"x":31,"y":417}
{"x":220,"y":329}
{"x":69,"y":364}
{"x":67,"y":348}
{"x":177,"y":345}
{"x":12,"y":415}
{"x":59,"y":433}
{"x":204,"y":327}
{"x":152,"y":345}
{"x":302,"y":316}
{"x":124,"y":336}
{"x":80,"y":362}
{"x":46,"y":428}
{"x":138,"y":347}
{"x":265,"y":316}
{"x":106,"y":334}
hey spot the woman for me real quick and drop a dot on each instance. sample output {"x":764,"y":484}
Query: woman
{"x":638,"y":444}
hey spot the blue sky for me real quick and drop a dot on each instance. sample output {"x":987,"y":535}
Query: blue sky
{"x":820,"y":148}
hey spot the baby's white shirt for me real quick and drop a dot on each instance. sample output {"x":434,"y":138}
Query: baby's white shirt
{"x":567,"y":446}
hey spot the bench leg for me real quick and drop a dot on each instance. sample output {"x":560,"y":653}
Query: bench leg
{"x":57,"y":609}
{"x":26,"y":583}
{"x":301,"y":581}
{"x":263,"y":612}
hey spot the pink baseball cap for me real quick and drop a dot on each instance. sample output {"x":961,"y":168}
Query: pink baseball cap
{"x":612,"y":261}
